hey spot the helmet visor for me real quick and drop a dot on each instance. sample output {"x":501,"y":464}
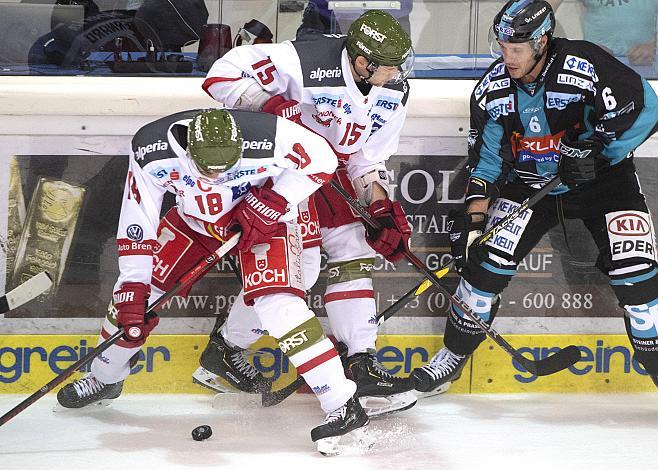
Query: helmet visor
{"x":404,"y":69}
{"x":494,"y":47}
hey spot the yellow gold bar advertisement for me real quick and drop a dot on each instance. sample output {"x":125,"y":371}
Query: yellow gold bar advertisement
{"x":48,"y":231}
{"x":16,"y":213}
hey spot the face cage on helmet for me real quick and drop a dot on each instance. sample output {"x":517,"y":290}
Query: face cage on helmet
{"x":200,"y":173}
{"x":404,"y":69}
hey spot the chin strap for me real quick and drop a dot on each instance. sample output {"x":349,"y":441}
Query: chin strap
{"x":371,"y":68}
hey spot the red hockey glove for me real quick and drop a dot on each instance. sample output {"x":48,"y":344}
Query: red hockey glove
{"x":392,"y":239}
{"x":130,"y":302}
{"x":288,"y":109}
{"x":258,"y":216}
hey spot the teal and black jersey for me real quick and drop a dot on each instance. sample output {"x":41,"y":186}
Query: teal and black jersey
{"x":516,"y":129}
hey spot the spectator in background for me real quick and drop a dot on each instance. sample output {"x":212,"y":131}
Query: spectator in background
{"x":622,"y":27}
{"x":319,"y":19}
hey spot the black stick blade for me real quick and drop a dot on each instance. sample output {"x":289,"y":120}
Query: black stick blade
{"x":274,"y":398}
{"x":561,"y":360}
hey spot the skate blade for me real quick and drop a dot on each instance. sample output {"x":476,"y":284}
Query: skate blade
{"x":57,"y":408}
{"x":329,"y":446}
{"x":354,"y":442}
{"x":213,"y":382}
{"x":376,"y":407}
{"x":438,"y":391}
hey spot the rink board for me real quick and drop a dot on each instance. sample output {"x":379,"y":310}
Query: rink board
{"x":166,"y":363}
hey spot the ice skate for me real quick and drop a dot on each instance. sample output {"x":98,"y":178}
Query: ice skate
{"x":87,"y":391}
{"x":379,"y":392}
{"x":437,"y":376}
{"x":211,"y":381}
{"x":225,"y":369}
{"x":348,"y":419}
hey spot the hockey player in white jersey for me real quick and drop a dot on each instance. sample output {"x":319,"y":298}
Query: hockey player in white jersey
{"x":352,"y":91}
{"x":227,"y":168}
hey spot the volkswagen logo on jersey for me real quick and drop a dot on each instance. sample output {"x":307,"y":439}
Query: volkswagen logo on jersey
{"x":135,"y":233}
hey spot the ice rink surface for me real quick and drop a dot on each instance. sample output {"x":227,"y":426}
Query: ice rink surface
{"x":448,"y":432}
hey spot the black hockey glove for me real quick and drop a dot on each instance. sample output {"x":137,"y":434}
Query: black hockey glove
{"x":580,"y":160}
{"x":464,"y":229}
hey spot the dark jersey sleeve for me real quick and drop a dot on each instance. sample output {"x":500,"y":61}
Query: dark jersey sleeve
{"x":489,"y":152}
{"x":625,"y":107}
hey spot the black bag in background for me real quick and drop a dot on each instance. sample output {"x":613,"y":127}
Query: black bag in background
{"x":176,"y":22}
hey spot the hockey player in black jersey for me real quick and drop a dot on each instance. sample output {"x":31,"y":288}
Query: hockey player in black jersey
{"x":551,"y":107}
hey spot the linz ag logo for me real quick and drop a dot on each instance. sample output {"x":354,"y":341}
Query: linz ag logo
{"x":568,"y":79}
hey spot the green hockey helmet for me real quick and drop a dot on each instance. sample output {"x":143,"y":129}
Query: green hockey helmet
{"x":378,"y":37}
{"x":214,"y":140}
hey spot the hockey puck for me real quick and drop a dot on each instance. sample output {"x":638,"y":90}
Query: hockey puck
{"x":201,"y":433}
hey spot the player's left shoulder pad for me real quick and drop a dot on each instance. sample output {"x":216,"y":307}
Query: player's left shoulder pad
{"x":151,"y":142}
{"x":258,"y":133}
{"x":320,"y":60}
{"x":581,"y":58}
{"x":403,"y":87}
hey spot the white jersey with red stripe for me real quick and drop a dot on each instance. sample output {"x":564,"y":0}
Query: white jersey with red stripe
{"x":296,"y":160}
{"x":317,"y":74}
